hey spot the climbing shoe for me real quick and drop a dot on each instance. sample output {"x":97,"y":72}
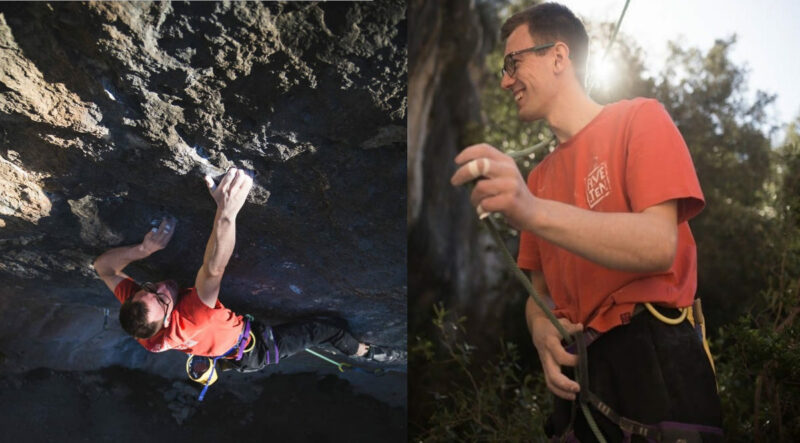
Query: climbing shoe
{"x":384,"y":355}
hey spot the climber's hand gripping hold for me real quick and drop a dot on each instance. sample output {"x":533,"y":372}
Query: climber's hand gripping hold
{"x":157,"y":238}
{"x":231,"y":192}
{"x":109,"y":265}
{"x":230,"y":195}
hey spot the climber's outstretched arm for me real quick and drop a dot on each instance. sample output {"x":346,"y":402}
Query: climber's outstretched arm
{"x":110,"y":264}
{"x":230,"y":196}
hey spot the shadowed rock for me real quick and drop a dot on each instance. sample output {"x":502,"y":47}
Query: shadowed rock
{"x":110,"y":115}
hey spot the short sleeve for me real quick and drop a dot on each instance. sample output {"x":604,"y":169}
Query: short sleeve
{"x":529,"y":257}
{"x":195,"y":310}
{"x":125,"y":289}
{"x":659,"y":167}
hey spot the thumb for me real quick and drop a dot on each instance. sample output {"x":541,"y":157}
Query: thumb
{"x":575,"y":327}
{"x":210,"y":183}
{"x":571,"y":327}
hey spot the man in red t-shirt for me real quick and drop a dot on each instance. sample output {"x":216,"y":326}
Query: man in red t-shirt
{"x":603,"y":222}
{"x":162,"y":317}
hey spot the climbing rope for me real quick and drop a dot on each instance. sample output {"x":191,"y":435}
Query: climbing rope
{"x":581,"y":371}
{"x":342,"y":366}
{"x":590,"y":86}
{"x":670,"y":321}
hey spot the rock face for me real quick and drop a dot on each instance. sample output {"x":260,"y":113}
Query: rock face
{"x":450,"y":257}
{"x":111,"y":113}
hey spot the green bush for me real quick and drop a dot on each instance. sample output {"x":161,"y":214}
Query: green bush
{"x":465,"y":400}
{"x":759,"y":362}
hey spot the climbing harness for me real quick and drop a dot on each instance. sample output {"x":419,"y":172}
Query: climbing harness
{"x":199,"y":367}
{"x":664,"y":431}
{"x":661,"y":317}
{"x":202,"y":369}
{"x":694,"y":314}
{"x":698,"y":321}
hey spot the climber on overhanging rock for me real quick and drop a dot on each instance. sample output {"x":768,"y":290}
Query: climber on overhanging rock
{"x":162,"y":317}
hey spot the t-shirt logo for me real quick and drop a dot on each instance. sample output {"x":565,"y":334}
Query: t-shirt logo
{"x":598,"y":186}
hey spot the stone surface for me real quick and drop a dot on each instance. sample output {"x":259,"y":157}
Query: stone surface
{"x":451,"y":258}
{"x":112,"y":112}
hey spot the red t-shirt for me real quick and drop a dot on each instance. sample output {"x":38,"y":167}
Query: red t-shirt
{"x":627,"y":159}
{"x":194,"y":328}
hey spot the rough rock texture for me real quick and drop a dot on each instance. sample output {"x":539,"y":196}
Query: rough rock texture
{"x":450,"y":257}
{"x":111,"y":113}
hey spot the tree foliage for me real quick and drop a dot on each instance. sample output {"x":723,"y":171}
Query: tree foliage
{"x":705,"y":94}
{"x":759,"y":359}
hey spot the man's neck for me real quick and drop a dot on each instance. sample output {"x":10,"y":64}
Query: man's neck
{"x":572,"y":111}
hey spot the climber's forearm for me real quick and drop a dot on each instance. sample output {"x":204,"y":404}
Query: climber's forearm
{"x":110,"y":264}
{"x":218,"y":253}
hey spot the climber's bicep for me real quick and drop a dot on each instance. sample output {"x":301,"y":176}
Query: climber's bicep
{"x":207,"y":285}
{"x":112,"y":280}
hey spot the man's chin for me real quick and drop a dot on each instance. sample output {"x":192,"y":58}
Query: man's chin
{"x":528,"y":116}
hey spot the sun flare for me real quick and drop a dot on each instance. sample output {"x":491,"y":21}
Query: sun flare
{"x":603,"y":73}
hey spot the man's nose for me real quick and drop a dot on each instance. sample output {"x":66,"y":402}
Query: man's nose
{"x":507,"y":81}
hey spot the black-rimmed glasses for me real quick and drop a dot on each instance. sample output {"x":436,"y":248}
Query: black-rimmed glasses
{"x":152,"y":288}
{"x":510,"y":65}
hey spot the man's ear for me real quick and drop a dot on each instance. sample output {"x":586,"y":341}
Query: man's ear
{"x":560,"y":58}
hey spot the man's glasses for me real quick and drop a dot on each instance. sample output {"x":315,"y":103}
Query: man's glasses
{"x":510,"y":65}
{"x":152,"y":288}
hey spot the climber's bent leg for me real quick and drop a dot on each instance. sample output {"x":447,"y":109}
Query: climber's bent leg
{"x":294,"y":337}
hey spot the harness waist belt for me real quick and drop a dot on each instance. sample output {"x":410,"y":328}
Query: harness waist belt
{"x":241,"y":343}
{"x":590,"y":335}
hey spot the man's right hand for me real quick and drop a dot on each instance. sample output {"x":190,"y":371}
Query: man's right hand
{"x":156,"y":239}
{"x":501,"y":188}
{"x":110,"y":264}
{"x":231,"y":192}
{"x":552,"y":354}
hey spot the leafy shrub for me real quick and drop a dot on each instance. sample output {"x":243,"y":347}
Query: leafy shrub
{"x":465,"y":400}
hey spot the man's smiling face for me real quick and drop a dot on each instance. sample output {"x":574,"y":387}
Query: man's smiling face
{"x":533,"y":82}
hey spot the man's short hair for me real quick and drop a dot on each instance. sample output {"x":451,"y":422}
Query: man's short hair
{"x":550,"y":22}
{"x":133,"y":319}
